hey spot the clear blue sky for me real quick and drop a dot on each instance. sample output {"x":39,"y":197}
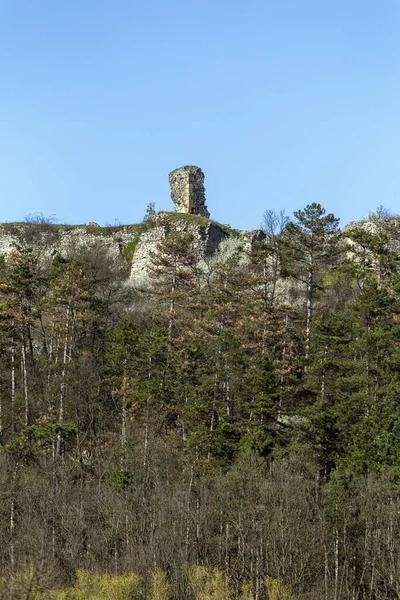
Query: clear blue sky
{"x":280,"y":102}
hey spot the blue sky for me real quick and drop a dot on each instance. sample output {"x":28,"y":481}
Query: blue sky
{"x":281,"y":103}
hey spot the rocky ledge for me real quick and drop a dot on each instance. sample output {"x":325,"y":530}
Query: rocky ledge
{"x":138,"y":243}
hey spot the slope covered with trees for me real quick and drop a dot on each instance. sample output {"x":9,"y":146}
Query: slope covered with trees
{"x":229,"y":430}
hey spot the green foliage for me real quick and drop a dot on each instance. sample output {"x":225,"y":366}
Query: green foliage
{"x":101,"y":586}
{"x":208,"y":583}
{"x":130,"y":247}
{"x":160,"y":589}
{"x":309,"y":241}
{"x":373,"y":257}
{"x":230,"y":231}
{"x":34,"y":440}
{"x":121,"y":480}
{"x":122,"y":346}
{"x":246,"y":592}
{"x":150,"y":212}
{"x":168,"y":217}
{"x":26,"y":583}
{"x":277,"y":590}
{"x":12,"y":228}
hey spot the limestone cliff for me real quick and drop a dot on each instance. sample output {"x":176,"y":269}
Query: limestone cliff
{"x":138,"y":243}
{"x":207,"y":236}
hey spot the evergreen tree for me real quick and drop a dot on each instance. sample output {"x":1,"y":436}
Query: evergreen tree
{"x":173,"y":275}
{"x":309,"y":246}
{"x":19,"y":308}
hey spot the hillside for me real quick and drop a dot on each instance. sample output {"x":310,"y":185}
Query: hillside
{"x":198,"y":412}
{"x":137,"y":242}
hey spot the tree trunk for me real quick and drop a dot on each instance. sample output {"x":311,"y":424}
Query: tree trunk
{"x":188,"y":513}
{"x":12,"y":519}
{"x":123,"y":422}
{"x":1,"y":421}
{"x":172,"y":303}
{"x":336,"y":554}
{"x":61,"y":435}
{"x":24,"y":374}
{"x":12,"y":384}
{"x":310,"y":308}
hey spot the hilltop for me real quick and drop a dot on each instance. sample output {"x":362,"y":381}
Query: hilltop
{"x":136,"y":242}
{"x":188,"y":409}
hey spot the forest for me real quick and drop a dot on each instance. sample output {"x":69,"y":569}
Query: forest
{"x":229,"y":429}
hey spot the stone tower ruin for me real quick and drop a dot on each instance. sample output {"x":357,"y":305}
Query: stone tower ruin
{"x":187,"y":190}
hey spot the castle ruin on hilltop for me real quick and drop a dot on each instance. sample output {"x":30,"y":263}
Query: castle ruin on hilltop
{"x":187,"y":191}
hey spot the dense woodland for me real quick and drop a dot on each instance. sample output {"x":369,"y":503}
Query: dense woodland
{"x":229,"y":429}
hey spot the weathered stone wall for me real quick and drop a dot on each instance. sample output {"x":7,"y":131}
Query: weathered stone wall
{"x":187,"y":190}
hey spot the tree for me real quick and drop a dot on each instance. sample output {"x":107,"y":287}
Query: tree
{"x":266,"y":254}
{"x":309,"y":246}
{"x":372,"y":255}
{"x":353,"y":371}
{"x":70,"y":307}
{"x":122,"y":368}
{"x":173,"y":275}
{"x":19,"y":305}
{"x":150,"y":212}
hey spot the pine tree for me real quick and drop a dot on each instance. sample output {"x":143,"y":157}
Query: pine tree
{"x":309,"y":246}
{"x":122,"y":368}
{"x":173,"y":274}
{"x":19,"y":308}
{"x":69,"y":308}
{"x":354,"y":369}
{"x":372,"y":256}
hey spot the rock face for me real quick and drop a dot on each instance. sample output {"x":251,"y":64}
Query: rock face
{"x":136,"y":243}
{"x":187,"y":191}
{"x":67,"y":240}
{"x":207,"y":236}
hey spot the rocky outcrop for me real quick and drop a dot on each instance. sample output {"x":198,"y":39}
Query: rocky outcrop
{"x":207,"y":236}
{"x":51,"y":239}
{"x":137,"y":243}
{"x":187,"y":191}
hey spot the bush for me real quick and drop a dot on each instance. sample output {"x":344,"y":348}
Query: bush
{"x":100,"y":586}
